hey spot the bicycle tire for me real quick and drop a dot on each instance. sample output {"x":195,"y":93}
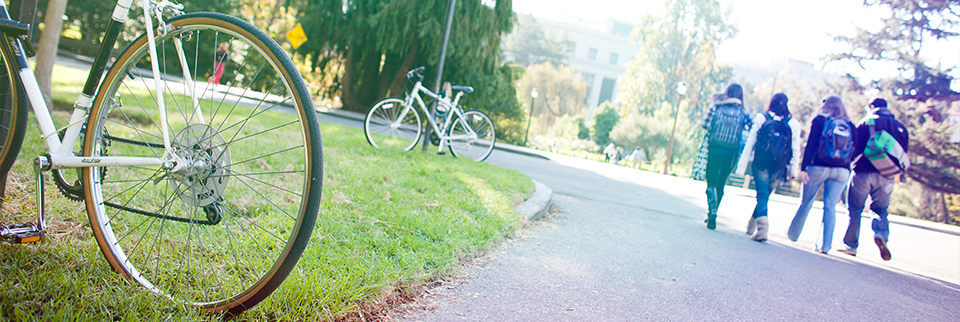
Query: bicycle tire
{"x":464,"y":144}
{"x":225,"y":232}
{"x":382,"y":129}
{"x":13,"y":115}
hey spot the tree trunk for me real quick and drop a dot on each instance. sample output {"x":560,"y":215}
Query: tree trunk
{"x":47,"y":52}
{"x":367,"y":92}
{"x":946,"y":210}
{"x":405,"y":66}
{"x":347,"y":97}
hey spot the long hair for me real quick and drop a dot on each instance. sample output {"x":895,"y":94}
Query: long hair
{"x":735,"y":91}
{"x":778,"y":105}
{"x":833,"y":106}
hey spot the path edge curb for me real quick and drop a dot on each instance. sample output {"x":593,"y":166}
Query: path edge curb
{"x":535,"y":207}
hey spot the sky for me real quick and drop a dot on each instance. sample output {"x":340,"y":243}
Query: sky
{"x":769,"y":29}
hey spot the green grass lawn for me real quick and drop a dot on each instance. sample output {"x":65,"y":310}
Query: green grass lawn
{"x":389,"y":221}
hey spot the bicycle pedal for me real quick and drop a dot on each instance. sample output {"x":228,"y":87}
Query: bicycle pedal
{"x":21,"y":233}
{"x":441,"y":152}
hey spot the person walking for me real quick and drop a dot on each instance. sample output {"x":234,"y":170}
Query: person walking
{"x":608,"y":152}
{"x":867,"y":179}
{"x":774,"y":147}
{"x":725,"y":123}
{"x":636,"y":158}
{"x":219,"y":61}
{"x":826,"y":162}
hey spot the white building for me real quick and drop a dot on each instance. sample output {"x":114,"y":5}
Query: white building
{"x":599,"y":52}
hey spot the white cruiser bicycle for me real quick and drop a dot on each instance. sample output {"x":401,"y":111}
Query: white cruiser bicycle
{"x":203,"y":193}
{"x":394,"y":123}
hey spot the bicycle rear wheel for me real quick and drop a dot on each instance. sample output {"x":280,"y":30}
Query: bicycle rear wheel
{"x":224,"y":231}
{"x":13,"y":115}
{"x":474,"y":137}
{"x":385,"y":129}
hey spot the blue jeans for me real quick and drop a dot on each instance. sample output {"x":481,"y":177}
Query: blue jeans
{"x":879,"y":189}
{"x":765,"y":180}
{"x":833,"y":181}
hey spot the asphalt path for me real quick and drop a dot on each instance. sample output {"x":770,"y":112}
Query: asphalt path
{"x":629,"y":245}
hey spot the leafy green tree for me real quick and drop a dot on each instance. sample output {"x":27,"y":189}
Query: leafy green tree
{"x":584,"y":132}
{"x":529,"y":44}
{"x":680,"y":46}
{"x":561,"y":90}
{"x":923,"y":85}
{"x":638,"y":130}
{"x":604,"y":121}
{"x":371,"y":44}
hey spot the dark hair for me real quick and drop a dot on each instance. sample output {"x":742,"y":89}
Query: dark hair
{"x":735,"y":91}
{"x":778,"y":105}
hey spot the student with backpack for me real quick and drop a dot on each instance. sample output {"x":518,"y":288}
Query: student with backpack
{"x":826,"y":161}
{"x":725,"y":123}
{"x":774,"y":148}
{"x":883,"y":143}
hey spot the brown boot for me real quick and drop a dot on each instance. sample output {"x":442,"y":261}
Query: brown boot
{"x":763,"y":225}
{"x":751,"y":226}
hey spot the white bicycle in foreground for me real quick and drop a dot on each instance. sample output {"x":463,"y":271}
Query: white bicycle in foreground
{"x":204,"y":197}
{"x":394,"y":123}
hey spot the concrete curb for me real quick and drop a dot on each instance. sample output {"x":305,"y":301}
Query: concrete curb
{"x":535,"y":207}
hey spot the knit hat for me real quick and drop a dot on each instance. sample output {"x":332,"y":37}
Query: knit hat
{"x":879,"y":102}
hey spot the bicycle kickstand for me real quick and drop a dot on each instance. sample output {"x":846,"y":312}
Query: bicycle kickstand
{"x":440,"y":149}
{"x":30,"y":232}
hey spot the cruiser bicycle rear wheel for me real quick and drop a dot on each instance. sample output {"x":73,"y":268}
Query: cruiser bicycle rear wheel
{"x":223,"y":232}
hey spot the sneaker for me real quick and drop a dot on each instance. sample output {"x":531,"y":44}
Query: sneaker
{"x":884,"y":251}
{"x":848,"y":251}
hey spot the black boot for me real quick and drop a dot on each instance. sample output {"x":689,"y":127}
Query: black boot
{"x":712,"y":205}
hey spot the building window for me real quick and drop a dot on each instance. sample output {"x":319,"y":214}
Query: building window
{"x":606,"y":89}
{"x":613,"y":58}
{"x":592,"y":55}
{"x":571,"y":47}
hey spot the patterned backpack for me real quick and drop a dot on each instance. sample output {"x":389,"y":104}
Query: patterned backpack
{"x":726,"y":127}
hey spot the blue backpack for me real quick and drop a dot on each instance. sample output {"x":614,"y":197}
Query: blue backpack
{"x":836,"y":142}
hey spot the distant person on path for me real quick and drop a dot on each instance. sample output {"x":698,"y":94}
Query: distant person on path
{"x":725,"y":123}
{"x":220,"y":58}
{"x":867,"y":180}
{"x":774,"y":147}
{"x":608,"y":152}
{"x":636,"y":158}
{"x":826,"y":161}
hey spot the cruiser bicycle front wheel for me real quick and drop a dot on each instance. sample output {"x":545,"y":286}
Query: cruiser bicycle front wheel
{"x":223,"y":232}
{"x":391,"y":124}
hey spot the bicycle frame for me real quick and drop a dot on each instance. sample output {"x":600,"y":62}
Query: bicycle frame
{"x":452,"y":107}
{"x":61,"y":153}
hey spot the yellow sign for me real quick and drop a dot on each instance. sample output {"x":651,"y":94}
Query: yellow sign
{"x":297,"y":36}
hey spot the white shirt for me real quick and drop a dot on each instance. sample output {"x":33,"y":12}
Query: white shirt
{"x":747,"y":156}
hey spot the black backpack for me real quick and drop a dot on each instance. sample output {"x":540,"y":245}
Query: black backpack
{"x":726,"y":127}
{"x":774,"y":147}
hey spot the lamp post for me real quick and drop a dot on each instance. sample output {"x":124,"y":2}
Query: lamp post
{"x":533,"y":99}
{"x":681,"y":89}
